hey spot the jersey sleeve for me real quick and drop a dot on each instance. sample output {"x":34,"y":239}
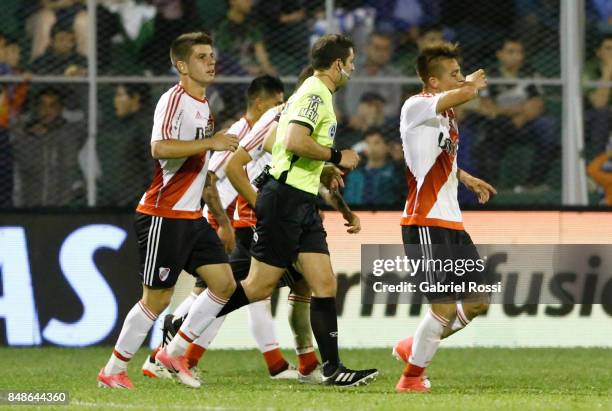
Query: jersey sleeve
{"x":306,"y":110}
{"x":166,"y":121}
{"x":219,"y":158}
{"x":418,"y":110}
{"x":253,"y":142}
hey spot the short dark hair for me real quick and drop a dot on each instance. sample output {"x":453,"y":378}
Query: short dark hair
{"x":428,"y":59}
{"x":51,"y":91}
{"x":61,"y":28}
{"x":372,"y":97}
{"x":374,"y":131}
{"x":509,"y":39}
{"x":264,"y":85}
{"x":143,"y":91}
{"x":182,"y":46}
{"x":603,"y":38}
{"x":328,"y":49}
{"x":306,"y":72}
{"x":382,"y":34}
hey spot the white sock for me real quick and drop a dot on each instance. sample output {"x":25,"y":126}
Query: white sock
{"x":427,"y":339}
{"x":201,"y":314}
{"x":209,"y":333}
{"x":458,"y":323}
{"x":183,"y":308}
{"x":135,"y":328}
{"x":262,"y":325}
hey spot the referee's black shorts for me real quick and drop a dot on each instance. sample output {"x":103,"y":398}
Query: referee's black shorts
{"x":240,"y":261}
{"x":288,"y":223}
{"x":438,"y":243}
{"x":169,"y":245}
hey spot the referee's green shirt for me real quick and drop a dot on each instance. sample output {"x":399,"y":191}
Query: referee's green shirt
{"x":310,"y":106}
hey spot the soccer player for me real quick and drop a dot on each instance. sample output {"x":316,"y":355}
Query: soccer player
{"x":262,"y":95}
{"x":289,"y":228}
{"x":172,"y":233}
{"x":430,"y":138}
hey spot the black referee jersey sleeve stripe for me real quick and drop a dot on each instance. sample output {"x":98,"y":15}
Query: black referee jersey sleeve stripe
{"x":303,"y":123}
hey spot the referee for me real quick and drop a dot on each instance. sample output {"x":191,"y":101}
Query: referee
{"x":289,"y":229}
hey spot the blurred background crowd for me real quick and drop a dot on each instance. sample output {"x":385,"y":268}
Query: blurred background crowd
{"x":510,"y":136}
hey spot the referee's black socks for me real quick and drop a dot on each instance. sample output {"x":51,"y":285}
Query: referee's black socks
{"x":237,"y":300}
{"x":324,"y":322}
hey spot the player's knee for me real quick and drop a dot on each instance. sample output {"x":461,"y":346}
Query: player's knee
{"x":157,"y":300}
{"x":301,"y":288}
{"x":325,"y":288}
{"x":476,"y":309}
{"x":226,"y":288}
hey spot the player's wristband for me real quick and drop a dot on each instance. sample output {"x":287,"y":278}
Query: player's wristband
{"x":336,"y":156}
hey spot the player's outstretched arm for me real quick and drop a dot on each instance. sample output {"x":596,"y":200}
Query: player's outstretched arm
{"x":211,"y":198}
{"x":468,"y":90}
{"x":234,"y":169}
{"x":168,"y":149}
{"x":481,"y":188}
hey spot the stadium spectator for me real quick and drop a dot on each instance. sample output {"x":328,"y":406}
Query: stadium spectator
{"x":239,"y":42}
{"x":376,"y":64}
{"x":378,"y":182}
{"x":125,"y":141}
{"x":600,"y":170}
{"x":515,"y":114}
{"x":285,"y":24}
{"x":69,"y":14}
{"x":407,"y":52}
{"x":537,"y":25}
{"x":12,"y":98}
{"x":46,"y":155}
{"x":598,"y":105}
{"x":61,"y":57}
{"x":369,"y":113}
{"x":478,"y":28}
{"x":173,"y":18}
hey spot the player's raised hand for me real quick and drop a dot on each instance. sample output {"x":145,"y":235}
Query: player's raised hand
{"x":478,"y":78}
{"x":222,"y":141}
{"x":349,"y":160}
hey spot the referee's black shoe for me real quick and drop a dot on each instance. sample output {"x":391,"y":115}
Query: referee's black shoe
{"x":345,"y":377}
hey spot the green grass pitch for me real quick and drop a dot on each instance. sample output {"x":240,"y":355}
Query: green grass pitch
{"x":463,"y":379}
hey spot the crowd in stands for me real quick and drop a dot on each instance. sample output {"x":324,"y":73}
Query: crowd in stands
{"x":510,"y":136}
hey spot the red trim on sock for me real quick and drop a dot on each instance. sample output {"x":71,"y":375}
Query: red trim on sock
{"x":147,"y":311}
{"x":216,"y":299}
{"x":275,"y":361}
{"x":193,"y":354}
{"x":184,"y":336}
{"x":121,"y":357}
{"x":462,"y":317}
{"x":293,"y":297}
{"x":440,"y":319}
{"x":412,"y":370}
{"x":307,"y":362}
{"x":154,"y":353}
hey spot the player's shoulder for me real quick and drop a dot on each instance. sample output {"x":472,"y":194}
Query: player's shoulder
{"x":417,"y":99}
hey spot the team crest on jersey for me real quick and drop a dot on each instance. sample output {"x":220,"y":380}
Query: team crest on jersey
{"x":210,"y":127}
{"x":447,"y":145}
{"x":332,"y":131}
{"x":312,"y":111}
{"x":163,"y":273}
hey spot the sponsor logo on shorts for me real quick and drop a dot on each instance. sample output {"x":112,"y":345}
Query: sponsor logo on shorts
{"x":163,"y":273}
